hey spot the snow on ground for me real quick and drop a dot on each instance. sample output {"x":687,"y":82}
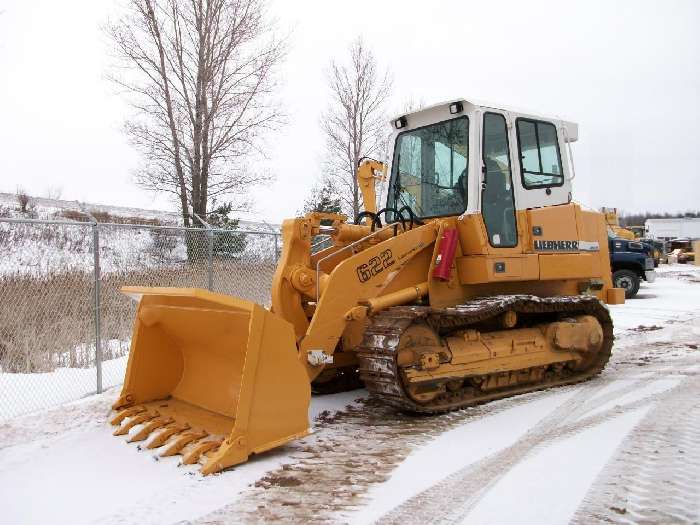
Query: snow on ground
{"x":671,"y":269}
{"x":434,"y":462}
{"x":545,"y":457}
{"x":674,"y":296}
{"x":26,"y":393}
{"x":43,"y":249}
{"x":48,"y":249}
{"x":657,"y":303}
{"x":86,"y":475}
{"x":46,"y":207}
{"x":548,"y":483}
{"x":543,"y":488}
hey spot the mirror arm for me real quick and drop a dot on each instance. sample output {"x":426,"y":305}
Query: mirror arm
{"x":369,"y":171}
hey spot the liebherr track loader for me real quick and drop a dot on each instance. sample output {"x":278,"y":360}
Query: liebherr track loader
{"x":477,"y":279}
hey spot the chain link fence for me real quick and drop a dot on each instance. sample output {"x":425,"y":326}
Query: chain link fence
{"x":65,"y":328}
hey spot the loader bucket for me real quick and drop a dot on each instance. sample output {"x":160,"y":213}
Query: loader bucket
{"x":211,"y":377}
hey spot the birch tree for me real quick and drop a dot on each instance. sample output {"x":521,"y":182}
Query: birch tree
{"x":355,"y":123}
{"x":201,"y":77}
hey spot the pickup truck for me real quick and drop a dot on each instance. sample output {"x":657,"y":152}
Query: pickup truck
{"x":630,"y":262}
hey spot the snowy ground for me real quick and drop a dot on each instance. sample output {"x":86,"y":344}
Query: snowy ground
{"x":45,"y":208}
{"x":23,"y":393}
{"x":37,"y":249}
{"x":622,"y":448}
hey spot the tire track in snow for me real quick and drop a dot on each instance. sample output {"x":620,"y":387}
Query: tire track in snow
{"x":655,"y":475}
{"x":466,"y":487}
{"x":333,"y":470}
{"x":330,"y":473}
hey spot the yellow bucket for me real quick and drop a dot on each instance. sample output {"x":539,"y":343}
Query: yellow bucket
{"x":213,"y":377}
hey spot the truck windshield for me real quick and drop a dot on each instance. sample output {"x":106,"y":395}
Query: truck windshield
{"x":429,"y":170}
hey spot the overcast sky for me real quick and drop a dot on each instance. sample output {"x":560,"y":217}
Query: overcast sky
{"x":627,"y":71}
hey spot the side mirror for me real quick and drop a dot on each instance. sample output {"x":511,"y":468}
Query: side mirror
{"x":369,"y":171}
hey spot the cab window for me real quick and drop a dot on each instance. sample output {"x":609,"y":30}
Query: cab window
{"x":429,"y":169}
{"x":540,"y":159}
{"x":497,"y":205}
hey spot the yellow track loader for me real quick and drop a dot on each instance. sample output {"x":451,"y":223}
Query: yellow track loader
{"x":613,"y":222}
{"x":476,"y":280}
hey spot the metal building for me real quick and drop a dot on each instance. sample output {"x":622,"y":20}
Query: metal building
{"x":666,"y":229}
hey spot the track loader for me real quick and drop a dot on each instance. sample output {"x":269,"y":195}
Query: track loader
{"x":478,"y":279}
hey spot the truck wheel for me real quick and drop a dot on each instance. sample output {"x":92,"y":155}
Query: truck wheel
{"x":628,"y":280}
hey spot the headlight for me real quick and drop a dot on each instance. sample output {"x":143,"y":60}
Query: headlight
{"x":456,"y":107}
{"x":649,"y":263}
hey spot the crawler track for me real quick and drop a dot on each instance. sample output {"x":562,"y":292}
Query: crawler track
{"x":378,"y":353}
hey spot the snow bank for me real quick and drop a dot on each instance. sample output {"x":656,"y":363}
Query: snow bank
{"x":46,"y":249}
{"x":24,"y":393}
{"x":42,"y":249}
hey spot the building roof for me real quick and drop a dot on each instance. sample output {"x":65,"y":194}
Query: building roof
{"x":671,"y":220}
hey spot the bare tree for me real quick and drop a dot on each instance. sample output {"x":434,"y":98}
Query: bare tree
{"x":23,"y":199}
{"x":411,"y":104}
{"x":355,"y":121}
{"x":201,"y":75}
{"x":54,"y":192}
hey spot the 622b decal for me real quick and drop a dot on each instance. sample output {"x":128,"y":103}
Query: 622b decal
{"x":374,"y":266}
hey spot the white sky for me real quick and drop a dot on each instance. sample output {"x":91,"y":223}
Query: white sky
{"x":627,"y":71}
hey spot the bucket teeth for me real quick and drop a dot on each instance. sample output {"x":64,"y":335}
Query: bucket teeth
{"x":196,"y":451}
{"x":149,"y":427}
{"x":166,"y":433}
{"x":181,"y":441}
{"x":137,"y":419}
{"x":127,"y":412}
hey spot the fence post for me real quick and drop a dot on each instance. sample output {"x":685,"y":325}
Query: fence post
{"x":277,"y":250}
{"x":98,"y":328}
{"x":210,"y":234}
{"x":210,"y":254}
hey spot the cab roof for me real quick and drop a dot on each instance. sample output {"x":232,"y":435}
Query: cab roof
{"x":425,"y":113}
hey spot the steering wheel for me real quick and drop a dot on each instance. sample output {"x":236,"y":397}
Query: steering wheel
{"x":412,"y":216}
{"x":377,"y":222}
{"x":364,"y":214}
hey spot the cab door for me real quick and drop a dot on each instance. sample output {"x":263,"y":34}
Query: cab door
{"x":497,"y":200}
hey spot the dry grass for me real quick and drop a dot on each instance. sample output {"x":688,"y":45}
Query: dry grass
{"x":106,"y":217}
{"x":48,"y":322}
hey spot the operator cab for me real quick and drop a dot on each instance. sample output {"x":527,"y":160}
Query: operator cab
{"x":461,"y":157}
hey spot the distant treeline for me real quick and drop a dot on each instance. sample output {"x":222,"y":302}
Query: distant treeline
{"x":637,"y":219}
